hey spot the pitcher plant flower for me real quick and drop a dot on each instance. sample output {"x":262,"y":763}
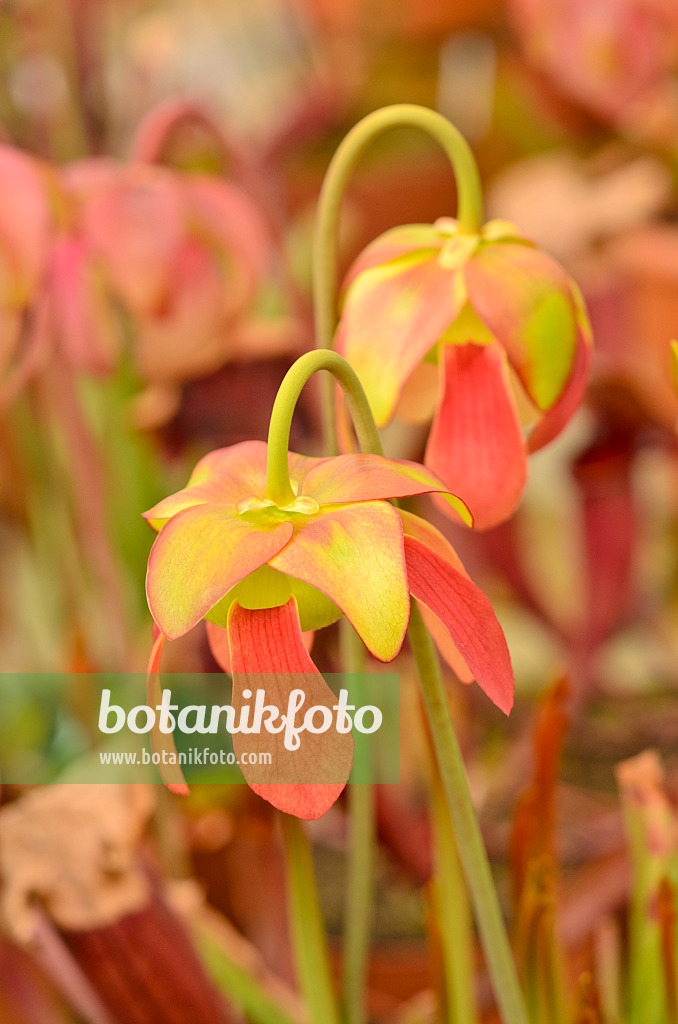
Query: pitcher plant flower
{"x":506,"y":328}
{"x":267,"y":554}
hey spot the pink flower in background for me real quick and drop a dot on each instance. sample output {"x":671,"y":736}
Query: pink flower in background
{"x":604,"y":54}
{"x":184,"y":254}
{"x":25,"y":224}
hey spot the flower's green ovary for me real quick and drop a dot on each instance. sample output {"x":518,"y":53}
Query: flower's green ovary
{"x":269,"y":588}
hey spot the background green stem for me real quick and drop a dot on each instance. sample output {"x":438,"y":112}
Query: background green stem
{"x":308,"y":931}
{"x":466,"y":829}
{"x":351,"y":149}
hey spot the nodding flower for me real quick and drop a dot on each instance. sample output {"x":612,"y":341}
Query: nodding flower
{"x":266,"y":573}
{"x":483,"y":332}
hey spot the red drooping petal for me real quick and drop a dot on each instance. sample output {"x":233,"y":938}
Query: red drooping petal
{"x":197,"y":557}
{"x":476,"y":445}
{"x":217,"y":638}
{"x":555,"y":418}
{"x":171,"y":774}
{"x":418,"y":528}
{"x":267,"y":652}
{"x":467,"y":616}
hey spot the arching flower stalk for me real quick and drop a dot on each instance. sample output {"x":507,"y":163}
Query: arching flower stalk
{"x":469,"y":325}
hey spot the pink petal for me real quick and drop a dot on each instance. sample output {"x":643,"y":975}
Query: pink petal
{"x":467,"y":616}
{"x":354,"y":555}
{"x":231,"y":222}
{"x":136,"y":225}
{"x":555,"y":418}
{"x":225,"y":476}
{"x":83,"y":318}
{"x":348,"y":478}
{"x":267,"y":653}
{"x":404,"y":240}
{"x":217,"y":638}
{"x":24,"y":225}
{"x":476,"y":445}
{"x":392,"y":317}
{"x":525,"y":299}
{"x":171,"y":774}
{"x":198,"y":556}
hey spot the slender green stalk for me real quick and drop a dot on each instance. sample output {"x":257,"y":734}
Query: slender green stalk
{"x":278,"y":487}
{"x":453,"y":912}
{"x":467,"y":831}
{"x":361,"y":846}
{"x":470,"y":210}
{"x":308,"y":931}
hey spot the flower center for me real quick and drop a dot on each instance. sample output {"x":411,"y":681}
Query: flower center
{"x":303,"y":505}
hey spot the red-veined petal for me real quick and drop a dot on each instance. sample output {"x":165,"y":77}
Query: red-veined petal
{"x":364,"y":477}
{"x":468,"y":617}
{"x":267,"y":652}
{"x":198,"y":556}
{"x":354,"y":555}
{"x":418,"y":528}
{"x":217,"y":638}
{"x":476,"y":445}
{"x":171,"y":774}
{"x":392,"y":317}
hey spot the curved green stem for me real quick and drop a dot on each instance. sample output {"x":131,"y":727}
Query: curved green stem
{"x":470,"y":208}
{"x":469,"y":840}
{"x":278,"y":487}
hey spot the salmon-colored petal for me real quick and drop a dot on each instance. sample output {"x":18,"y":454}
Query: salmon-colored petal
{"x":476,"y":445}
{"x":364,"y":477}
{"x":525,"y":299}
{"x":267,"y":652}
{"x":225,"y":476}
{"x":171,"y":774}
{"x":354,"y":555}
{"x":198,"y":556}
{"x":467,"y":616}
{"x":217,"y":638}
{"x":420,"y":529}
{"x":555,"y":418}
{"x":393,"y":315}
{"x":404,"y":240}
